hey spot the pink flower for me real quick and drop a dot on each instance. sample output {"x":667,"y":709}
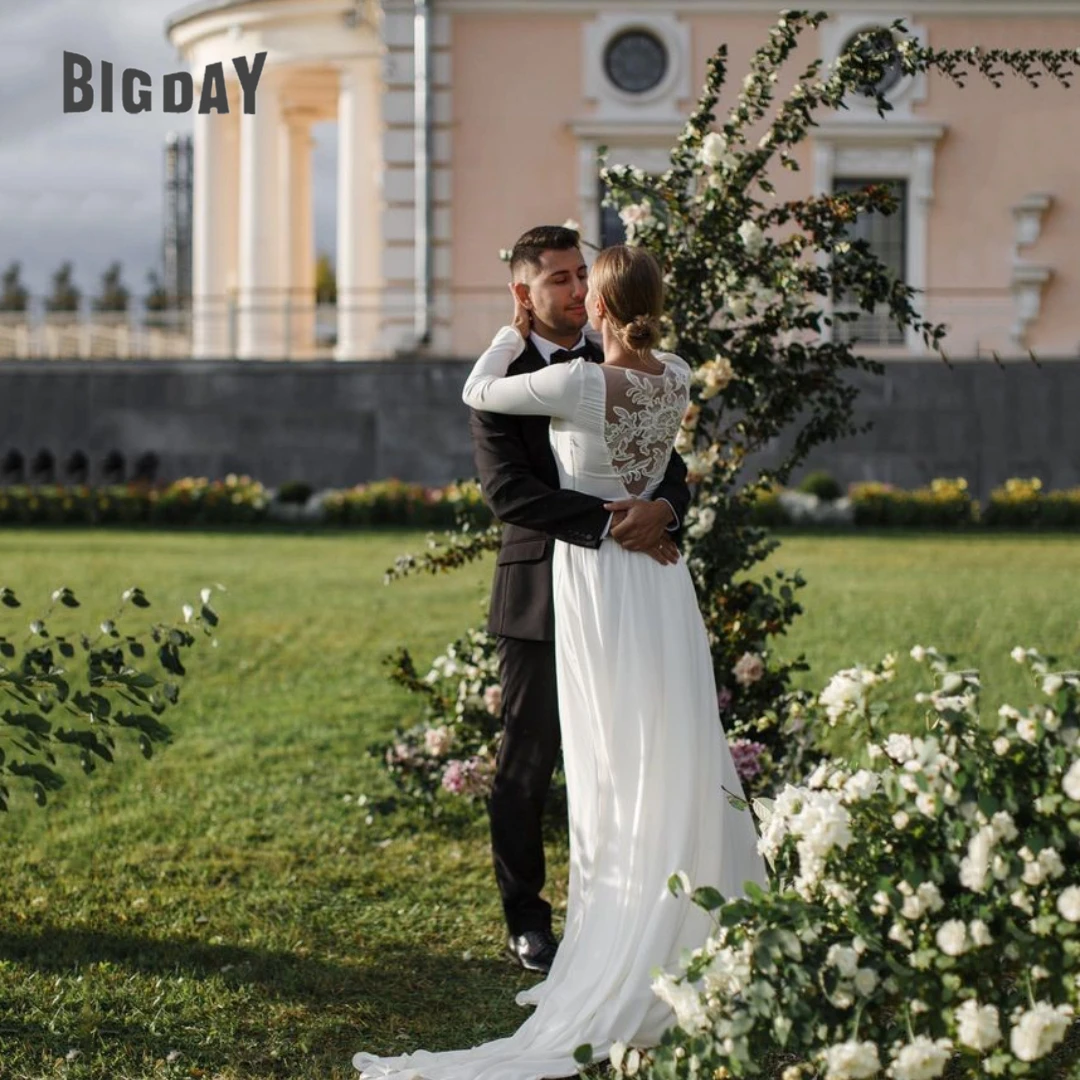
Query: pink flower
{"x":437,"y":741}
{"x":493,"y":700}
{"x":724,"y":699}
{"x":747,"y":758}
{"x":749,"y":669}
{"x":471,"y":778}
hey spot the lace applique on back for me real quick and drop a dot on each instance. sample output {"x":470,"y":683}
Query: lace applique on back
{"x":642,"y":417}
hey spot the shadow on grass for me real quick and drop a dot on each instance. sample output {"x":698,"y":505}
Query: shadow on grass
{"x":287,"y":1013}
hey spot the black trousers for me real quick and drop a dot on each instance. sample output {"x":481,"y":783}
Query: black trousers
{"x":526,"y":761}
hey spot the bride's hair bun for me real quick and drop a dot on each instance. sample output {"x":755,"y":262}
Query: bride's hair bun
{"x":642,"y":332}
{"x":631,"y":284}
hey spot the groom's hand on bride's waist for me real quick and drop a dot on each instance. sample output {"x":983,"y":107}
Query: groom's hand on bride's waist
{"x":641,"y":525}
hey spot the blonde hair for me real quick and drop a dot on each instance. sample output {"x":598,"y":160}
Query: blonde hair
{"x":631,"y":284}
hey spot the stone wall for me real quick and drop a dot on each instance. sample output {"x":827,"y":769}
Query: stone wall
{"x":340,"y":424}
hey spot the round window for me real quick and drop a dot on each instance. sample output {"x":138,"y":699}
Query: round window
{"x":636,"y":61}
{"x":878,"y":44}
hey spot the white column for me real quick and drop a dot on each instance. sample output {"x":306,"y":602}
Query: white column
{"x":208,"y":270}
{"x":230,"y":230}
{"x":298,"y":249}
{"x":259,"y":303}
{"x":359,"y":279}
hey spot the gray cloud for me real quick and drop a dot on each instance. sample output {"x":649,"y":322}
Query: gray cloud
{"x":87,"y":187}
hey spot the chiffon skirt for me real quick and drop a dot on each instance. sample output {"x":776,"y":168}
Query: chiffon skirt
{"x":648,"y":775}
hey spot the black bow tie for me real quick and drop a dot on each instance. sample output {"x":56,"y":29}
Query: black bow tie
{"x":562,"y":356}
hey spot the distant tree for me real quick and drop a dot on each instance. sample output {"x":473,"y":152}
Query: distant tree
{"x":13,"y":294}
{"x":157,"y":300}
{"x":157,"y":296}
{"x":325,"y":281}
{"x":114,"y":295}
{"x":65,"y":296}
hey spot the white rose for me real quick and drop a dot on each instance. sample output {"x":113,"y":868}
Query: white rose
{"x":921,"y":1059}
{"x":1068,"y":903}
{"x":1039,"y":1030}
{"x":714,"y":151}
{"x":1019,"y":654}
{"x":844,"y":959}
{"x":900,"y":819}
{"x":1071,"y":783}
{"x":977,"y":1025}
{"x":861,"y":786}
{"x":1028,"y":730}
{"x":918,"y":653}
{"x":900,"y":934}
{"x":749,"y":669}
{"x":951,"y":938}
{"x":866,"y":979}
{"x":1001,"y":746}
{"x":975,"y":866}
{"x":851,"y":1061}
{"x":753,"y":238}
{"x":980,"y":933}
{"x":1052,"y":684}
{"x":926,"y":803}
{"x":684,"y":999}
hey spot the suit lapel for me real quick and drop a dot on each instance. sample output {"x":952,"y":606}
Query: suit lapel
{"x":530,"y":360}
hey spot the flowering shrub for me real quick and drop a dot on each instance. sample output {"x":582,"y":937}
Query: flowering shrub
{"x":751,"y":284}
{"x":1022,"y":504}
{"x":925,"y":907}
{"x":387,"y":502}
{"x":945,"y":504}
{"x":454,"y":745}
{"x":67,"y":692}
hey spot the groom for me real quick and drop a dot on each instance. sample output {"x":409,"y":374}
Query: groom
{"x":520,"y":483}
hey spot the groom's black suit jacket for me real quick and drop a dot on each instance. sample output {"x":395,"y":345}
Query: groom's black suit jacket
{"x":520,"y":482}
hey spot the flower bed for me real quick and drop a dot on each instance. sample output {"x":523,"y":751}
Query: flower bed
{"x":239,"y":500}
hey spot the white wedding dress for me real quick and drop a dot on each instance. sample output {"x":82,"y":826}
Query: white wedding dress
{"x":646,"y":761}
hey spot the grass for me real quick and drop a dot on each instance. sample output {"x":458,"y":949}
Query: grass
{"x":230,"y":910}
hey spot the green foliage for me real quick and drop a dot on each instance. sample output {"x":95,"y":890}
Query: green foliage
{"x":821,"y":484}
{"x":65,"y":297}
{"x":73,"y":694}
{"x":14,"y":296}
{"x":294,"y":491}
{"x":114,"y":295}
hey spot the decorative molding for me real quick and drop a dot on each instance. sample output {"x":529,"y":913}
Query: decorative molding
{"x":1028,"y":283}
{"x":644,"y":145}
{"x":1028,"y":215}
{"x":887,"y":149}
{"x":663,"y":99}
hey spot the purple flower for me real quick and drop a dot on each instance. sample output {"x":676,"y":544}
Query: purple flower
{"x":747,"y":757}
{"x":723,"y":699}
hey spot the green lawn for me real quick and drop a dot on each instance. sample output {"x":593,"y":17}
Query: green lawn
{"x":229,"y":910}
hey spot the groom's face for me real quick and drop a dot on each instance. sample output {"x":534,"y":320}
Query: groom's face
{"x":555,"y":293}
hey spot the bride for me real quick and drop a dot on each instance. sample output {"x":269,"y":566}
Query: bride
{"x":648,"y":770}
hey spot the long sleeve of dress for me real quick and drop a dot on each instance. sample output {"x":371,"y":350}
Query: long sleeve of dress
{"x":553,"y":391}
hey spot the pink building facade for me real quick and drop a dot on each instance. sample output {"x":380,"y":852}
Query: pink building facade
{"x":488,"y":118}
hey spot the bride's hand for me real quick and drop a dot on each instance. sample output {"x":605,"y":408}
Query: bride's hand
{"x":522,"y":322}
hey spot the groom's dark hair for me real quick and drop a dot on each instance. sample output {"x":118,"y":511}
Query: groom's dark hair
{"x":531,"y":245}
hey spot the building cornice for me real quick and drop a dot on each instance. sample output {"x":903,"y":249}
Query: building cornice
{"x":989,"y":8}
{"x":884,"y":131}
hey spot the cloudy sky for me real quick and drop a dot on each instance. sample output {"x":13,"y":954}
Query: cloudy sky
{"x":88,"y":187}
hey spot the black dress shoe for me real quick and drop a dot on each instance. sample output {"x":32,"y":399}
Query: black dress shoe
{"x":534,"y":950}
